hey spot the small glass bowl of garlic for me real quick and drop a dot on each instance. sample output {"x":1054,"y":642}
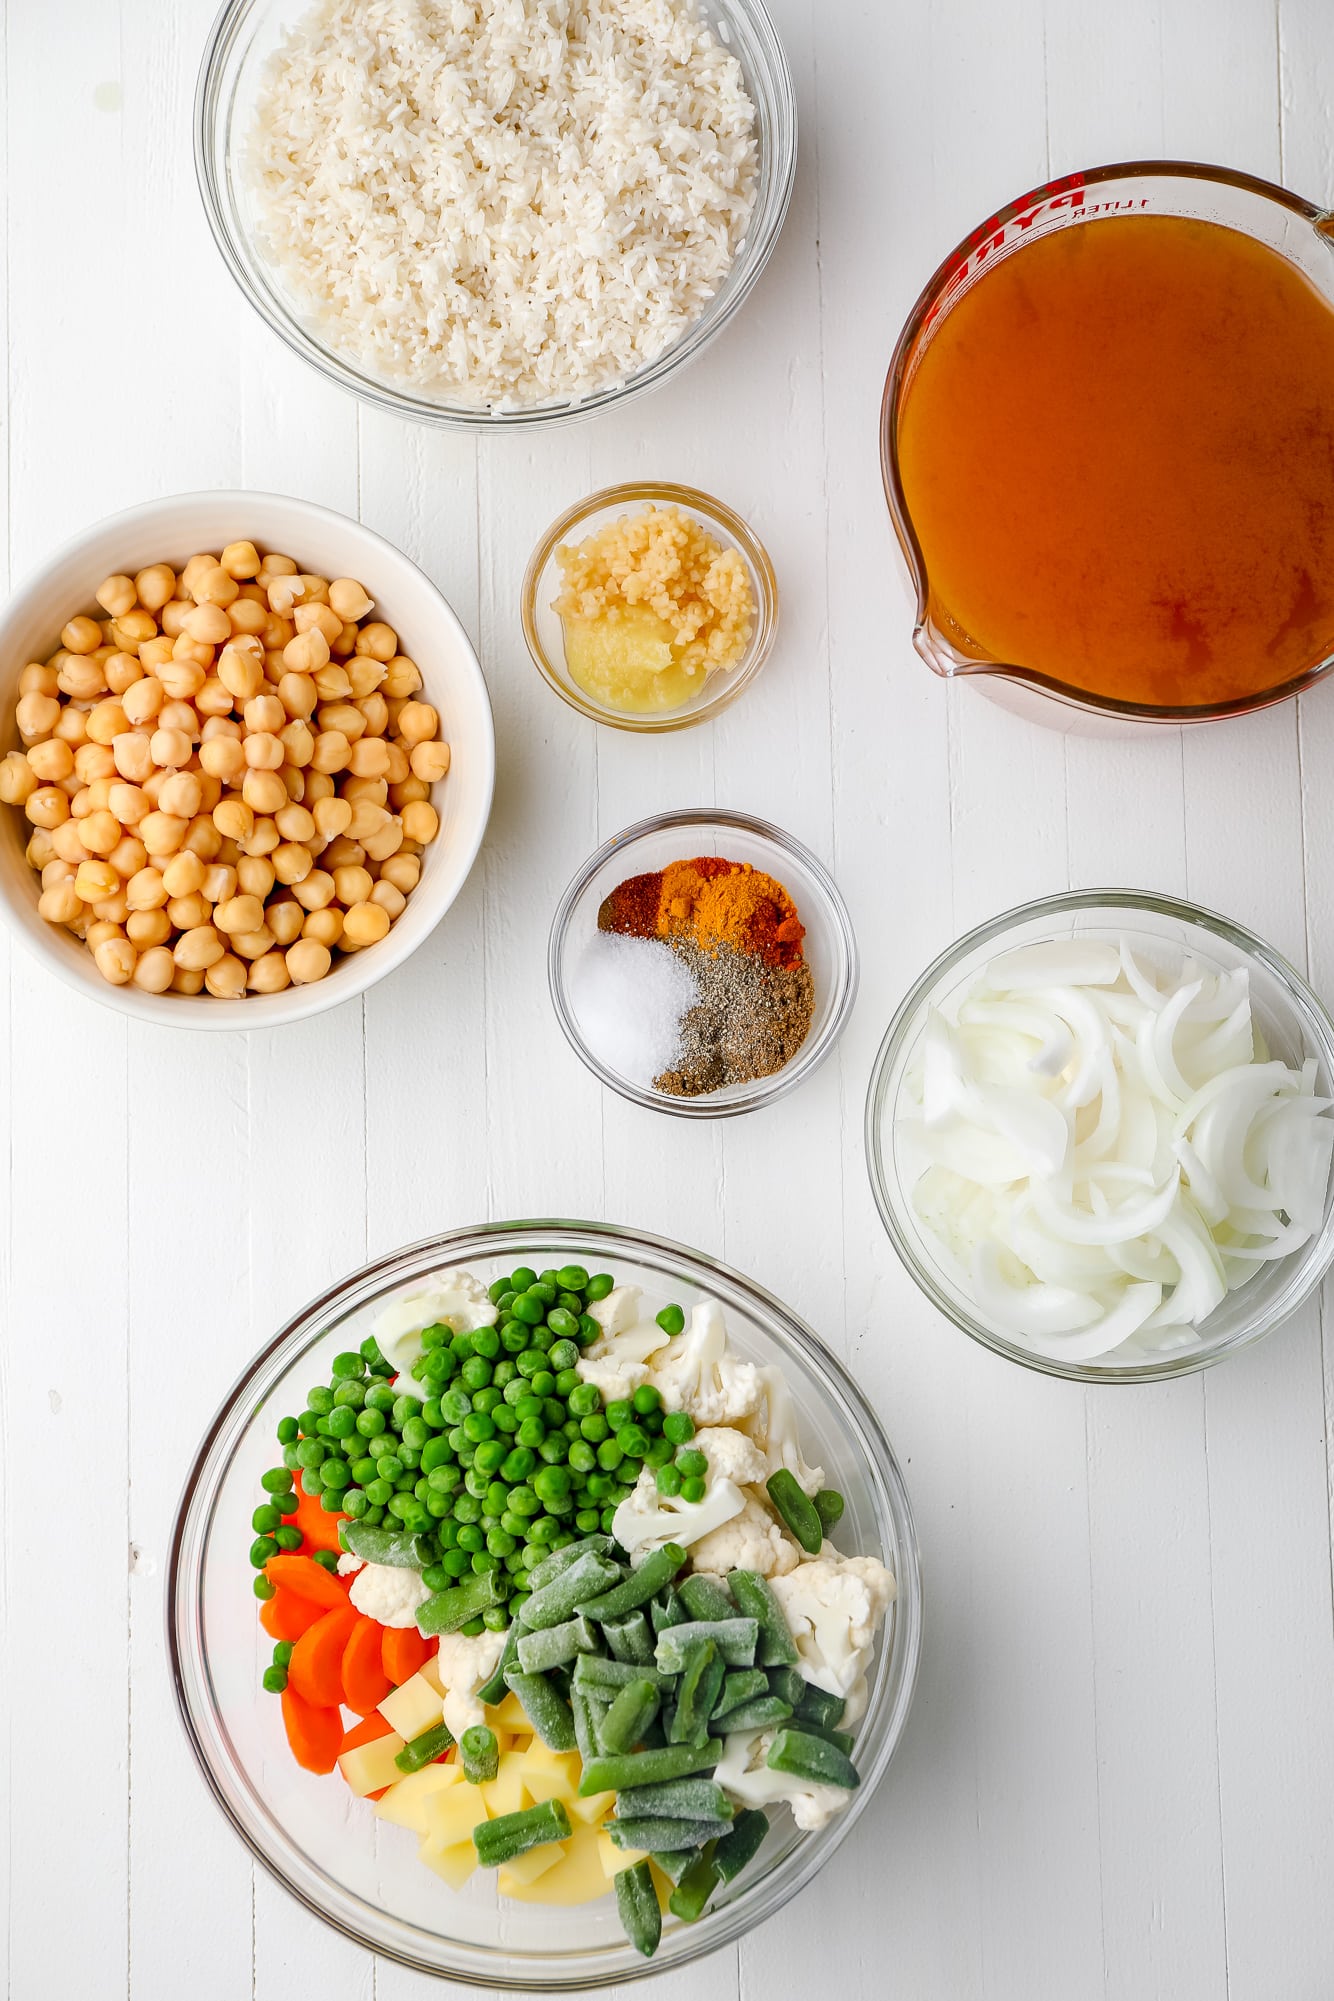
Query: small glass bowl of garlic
{"x":1099,"y":1135}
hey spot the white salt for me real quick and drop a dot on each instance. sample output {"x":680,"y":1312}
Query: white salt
{"x":628,"y":996}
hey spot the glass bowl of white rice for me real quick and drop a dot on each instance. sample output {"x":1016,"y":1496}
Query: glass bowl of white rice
{"x":502,"y":215}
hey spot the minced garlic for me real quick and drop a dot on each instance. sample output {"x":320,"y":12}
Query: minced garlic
{"x":652,"y":605}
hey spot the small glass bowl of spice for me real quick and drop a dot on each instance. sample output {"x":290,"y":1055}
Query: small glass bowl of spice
{"x":702,"y":963}
{"x":649,"y":607}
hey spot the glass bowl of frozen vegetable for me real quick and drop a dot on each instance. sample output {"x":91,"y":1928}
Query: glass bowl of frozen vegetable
{"x":576,"y":1664}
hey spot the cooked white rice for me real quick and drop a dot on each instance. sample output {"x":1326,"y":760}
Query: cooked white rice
{"x":503,"y":202}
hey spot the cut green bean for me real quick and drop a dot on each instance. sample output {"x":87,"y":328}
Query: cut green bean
{"x":735,"y":1640}
{"x":677,"y":1799}
{"x":554,"y":1646}
{"x":643,"y":1583}
{"x":692,"y":1893}
{"x":696,"y":1693}
{"x":629,"y":1716}
{"x":547,"y":1710}
{"x":817,"y":1705}
{"x":763,"y":1713}
{"x":595,"y":1671}
{"x":637,"y":1904}
{"x":513,"y":1834}
{"x":741,"y":1685}
{"x":742,"y":1843}
{"x":652,"y":1833}
{"x":754,"y":1594}
{"x":667,"y":1610}
{"x":479,"y":1754}
{"x":844,"y":1739}
{"x":560,"y":1560}
{"x":813,"y":1759}
{"x":564,"y":1596}
{"x":446,"y":1611}
{"x":674,"y":1862}
{"x":424,"y":1750}
{"x":630,"y":1639}
{"x":797,"y":1509}
{"x":706,"y":1598}
{"x":587,"y":1714}
{"x":788,"y":1684}
{"x":374,"y":1544}
{"x":646,"y":1768}
{"x":829,"y":1506}
{"x":493,"y":1691}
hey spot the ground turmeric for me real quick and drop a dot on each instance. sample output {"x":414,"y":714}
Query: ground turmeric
{"x":711,"y":902}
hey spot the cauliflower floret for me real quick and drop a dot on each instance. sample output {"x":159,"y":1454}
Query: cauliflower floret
{"x":646,"y":1519}
{"x":464,"y":1663}
{"x":618,"y":1312}
{"x":696,"y":1372}
{"x":624,"y":1336}
{"x":389,"y":1592}
{"x":773,"y":1426}
{"x":752,"y":1540}
{"x":731,"y":1455}
{"x":612,"y":1374}
{"x":453,"y":1299}
{"x":834,"y":1606}
{"x":348,"y":1564}
{"x":744,"y":1776}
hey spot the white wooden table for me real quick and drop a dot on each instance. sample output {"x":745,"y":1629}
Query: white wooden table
{"x":1119,"y":1776}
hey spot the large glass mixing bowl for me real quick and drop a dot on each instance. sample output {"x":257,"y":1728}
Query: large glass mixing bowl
{"x":362,"y":1875}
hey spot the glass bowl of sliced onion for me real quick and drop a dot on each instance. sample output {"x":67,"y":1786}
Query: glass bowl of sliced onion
{"x":1100,"y":1132}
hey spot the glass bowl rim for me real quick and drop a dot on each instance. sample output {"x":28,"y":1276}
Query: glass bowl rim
{"x":731,"y":682}
{"x":811,"y":1054}
{"x":890,"y":1197}
{"x":887,"y":1482}
{"x":891,"y":480}
{"x":761,"y":237}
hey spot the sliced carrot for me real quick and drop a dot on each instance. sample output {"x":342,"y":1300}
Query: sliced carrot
{"x":307,"y":1578}
{"x":365,"y":1682}
{"x":319,"y":1529}
{"x":316,"y":1667}
{"x":314,"y":1732}
{"x":286,"y":1617}
{"x":402,"y":1651}
{"x":365,"y":1732}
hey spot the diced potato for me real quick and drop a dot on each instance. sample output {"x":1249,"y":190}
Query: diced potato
{"x":414,"y":1706}
{"x":662,"y":1884}
{"x":550,"y":1775}
{"x":578,"y":1878}
{"x":526,"y":1869}
{"x":429,"y":1671}
{"x":451,"y":1816}
{"x":405,"y":1803}
{"x":455,"y":1864}
{"x":371,"y":1766}
{"x":509,"y":1714}
{"x":506,"y":1793}
{"x":615,"y":1859}
{"x":593,"y":1810}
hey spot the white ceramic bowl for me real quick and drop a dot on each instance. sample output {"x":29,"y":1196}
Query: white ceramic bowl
{"x":328,"y":544}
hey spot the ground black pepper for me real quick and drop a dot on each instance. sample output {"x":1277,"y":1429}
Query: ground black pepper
{"x":750,"y":1020}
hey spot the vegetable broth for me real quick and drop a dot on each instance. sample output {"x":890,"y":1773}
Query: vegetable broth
{"x":1117,"y":452}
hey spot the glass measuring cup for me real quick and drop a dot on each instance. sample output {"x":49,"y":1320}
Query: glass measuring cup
{"x":1297,"y":230}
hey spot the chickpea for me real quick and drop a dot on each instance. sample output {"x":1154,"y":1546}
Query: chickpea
{"x":182,"y":678}
{"x":295,"y":823}
{"x":255,"y":875}
{"x":372,"y":791}
{"x":375,"y":709}
{"x":417,"y":723}
{"x":245,"y":616}
{"x":286,"y":592}
{"x":81,"y":635}
{"x":421,"y":822}
{"x":297,"y":693}
{"x":212,"y":585}
{"x":100,"y":831}
{"x":18,"y":780}
{"x":146,"y":890}
{"x":179,"y":715}
{"x":308,"y":961}
{"x":263,"y":789}
{"x":315,"y":617}
{"x":365,"y":676}
{"x":41,"y":848}
{"x":332,"y":751}
{"x":170,"y":747}
{"x":430,"y":761}
{"x":400,"y":769}
{"x":128,"y":856}
{"x":343,"y":852}
{"x":275,"y":566}
{"x":264,"y":714}
{"x":172,"y":616}
{"x":60,"y":904}
{"x":162,"y":833}
{"x":155,"y":970}
{"x":285,"y":920}
{"x":277,"y":631}
{"x":403,"y":677}
{"x":349,"y":599}
{"x":252,"y":944}
{"x":51,"y":761}
{"x":155,"y":586}
{"x":379,"y":641}
{"x":195,"y":951}
{"x":128,"y":802}
{"x":117,"y":595}
{"x":239,"y":913}
{"x":183,"y":875}
{"x":364,"y":924}
{"x":386,"y":842}
{"x":115,"y":959}
{"x":292,"y":862}
{"x":98,"y":794}
{"x":370,"y":758}
{"x":240,"y":560}
{"x":298,"y":742}
{"x":307,"y":653}
{"x":352,"y":885}
{"x":36,"y":716}
{"x":47,"y":806}
{"x":319,"y":785}
{"x":332,"y":816}
{"x":213,"y":699}
{"x":333,"y":684}
{"x":65,"y":842}
{"x":99,"y":929}
{"x":262,"y":839}
{"x":315,"y":890}
{"x":264,"y":752}
{"x":182,"y":793}
{"x":223,"y":758}
{"x":345,"y":718}
{"x":142,"y":701}
{"x":96,"y":879}
{"x":202,"y":837}
{"x":73,"y":726}
{"x":269,"y":975}
{"x":132,"y":754}
{"x":148,"y":927}
{"x":187,"y":980}
{"x":392,"y":901}
{"x":155,"y":653}
{"x":123,"y":672}
{"x":367,"y":818}
{"x":324,"y":926}
{"x":226,"y":979}
{"x":241,"y":668}
{"x":403,"y":871}
{"x":106,"y":722}
{"x":219,"y":882}
{"x":81,"y":680}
